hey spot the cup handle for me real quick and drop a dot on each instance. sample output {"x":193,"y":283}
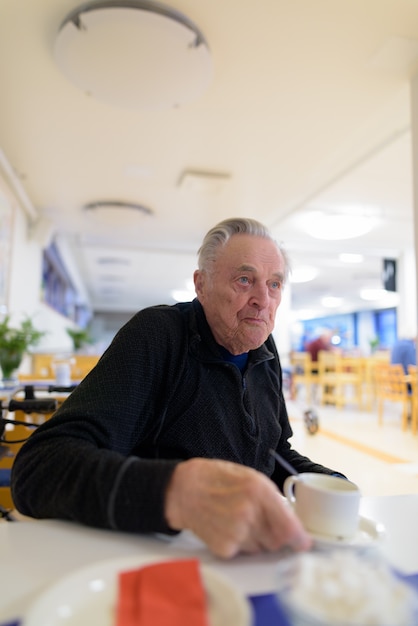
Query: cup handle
{"x":288,"y":488}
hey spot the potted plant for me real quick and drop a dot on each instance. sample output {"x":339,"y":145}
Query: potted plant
{"x":374,"y":344}
{"x":80,"y":337}
{"x":14,"y":342}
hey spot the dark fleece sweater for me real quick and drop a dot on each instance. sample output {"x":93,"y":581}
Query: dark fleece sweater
{"x":161,"y":393}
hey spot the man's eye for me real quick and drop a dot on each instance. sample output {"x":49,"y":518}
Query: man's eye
{"x":275,"y":284}
{"x":244,"y":280}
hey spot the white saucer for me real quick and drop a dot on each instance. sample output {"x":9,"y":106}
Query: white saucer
{"x":368,"y":534}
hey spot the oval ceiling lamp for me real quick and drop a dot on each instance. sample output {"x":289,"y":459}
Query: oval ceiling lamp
{"x":118,"y":206}
{"x":134,"y":54}
{"x":115,"y":216}
{"x":336,"y":226}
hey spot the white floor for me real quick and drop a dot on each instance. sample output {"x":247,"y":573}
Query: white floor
{"x":382,"y":460}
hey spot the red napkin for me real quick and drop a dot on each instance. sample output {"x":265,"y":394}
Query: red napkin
{"x":162,"y":594}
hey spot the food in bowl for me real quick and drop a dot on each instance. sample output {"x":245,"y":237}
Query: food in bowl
{"x":345,"y":588}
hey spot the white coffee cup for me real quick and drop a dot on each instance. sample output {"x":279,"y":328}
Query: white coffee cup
{"x":326,"y":505}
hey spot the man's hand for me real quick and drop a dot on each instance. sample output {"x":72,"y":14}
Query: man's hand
{"x":232,"y":508}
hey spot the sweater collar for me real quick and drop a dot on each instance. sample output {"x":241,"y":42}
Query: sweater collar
{"x":203,"y":342}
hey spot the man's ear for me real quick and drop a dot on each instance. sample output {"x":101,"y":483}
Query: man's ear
{"x":199,"y":280}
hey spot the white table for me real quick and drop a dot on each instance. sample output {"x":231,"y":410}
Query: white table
{"x":35,"y":554}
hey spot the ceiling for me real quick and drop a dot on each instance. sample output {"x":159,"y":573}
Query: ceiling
{"x":308,"y":108}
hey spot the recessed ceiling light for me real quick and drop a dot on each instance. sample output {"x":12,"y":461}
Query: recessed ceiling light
{"x":321,"y":225}
{"x":346,"y":257}
{"x":303,"y":274}
{"x":390,"y":298}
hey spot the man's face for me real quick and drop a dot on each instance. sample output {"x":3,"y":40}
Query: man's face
{"x":241,"y":292}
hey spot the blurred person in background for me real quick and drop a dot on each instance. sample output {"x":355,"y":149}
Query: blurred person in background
{"x":404,"y":352}
{"x":322,"y":342}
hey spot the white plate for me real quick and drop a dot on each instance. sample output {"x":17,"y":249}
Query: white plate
{"x":88,"y":596}
{"x":368,"y":534}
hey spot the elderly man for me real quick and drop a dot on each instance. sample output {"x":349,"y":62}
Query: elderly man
{"x":172,"y":429}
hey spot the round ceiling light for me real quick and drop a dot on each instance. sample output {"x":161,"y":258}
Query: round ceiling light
{"x":329,"y":226}
{"x":118,"y":206}
{"x":114,"y":216}
{"x":134,"y":54}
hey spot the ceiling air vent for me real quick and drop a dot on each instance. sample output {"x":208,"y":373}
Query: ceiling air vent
{"x":203,"y":181}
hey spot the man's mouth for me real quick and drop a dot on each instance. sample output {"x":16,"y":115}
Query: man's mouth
{"x":254,"y":320}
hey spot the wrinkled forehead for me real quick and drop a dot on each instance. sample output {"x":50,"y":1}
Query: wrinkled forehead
{"x":251,"y":252}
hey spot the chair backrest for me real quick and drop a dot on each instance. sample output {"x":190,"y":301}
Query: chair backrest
{"x":301,"y":363}
{"x":328,"y":362}
{"x":42,"y":365}
{"x":352,"y":365}
{"x":82,"y":364}
{"x":390,"y":382}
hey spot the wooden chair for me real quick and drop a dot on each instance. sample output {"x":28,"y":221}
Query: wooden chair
{"x":350,"y":371}
{"x":413,"y":381}
{"x":369,"y":377}
{"x":337,"y":374}
{"x":42,"y":366}
{"x":327,"y":377}
{"x":82,"y":364}
{"x":6,"y":500}
{"x":391,"y":386}
{"x":302,"y":376}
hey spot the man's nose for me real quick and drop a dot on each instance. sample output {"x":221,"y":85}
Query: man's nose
{"x":260,"y":297}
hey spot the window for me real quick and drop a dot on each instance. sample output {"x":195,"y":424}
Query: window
{"x":58,"y":290}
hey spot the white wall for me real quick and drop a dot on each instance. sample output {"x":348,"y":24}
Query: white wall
{"x":24,"y":280}
{"x":282,"y":327}
{"x":407,"y":289}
